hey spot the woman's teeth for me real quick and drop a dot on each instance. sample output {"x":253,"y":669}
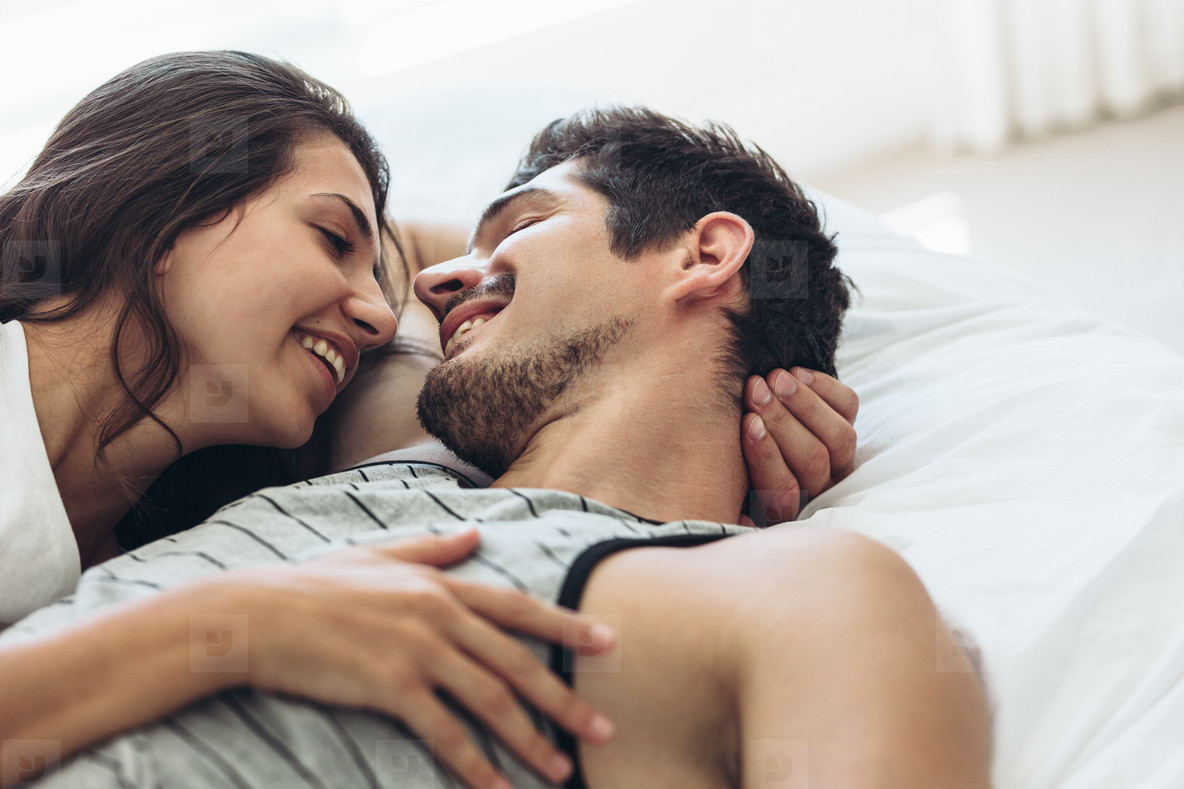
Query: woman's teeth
{"x":464,"y":328}
{"x":323,"y":350}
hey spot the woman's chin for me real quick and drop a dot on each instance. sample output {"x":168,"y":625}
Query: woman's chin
{"x":289,"y":435}
{"x":295,"y":440}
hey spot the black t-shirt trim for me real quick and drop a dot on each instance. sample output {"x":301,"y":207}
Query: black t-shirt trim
{"x":563,"y":659}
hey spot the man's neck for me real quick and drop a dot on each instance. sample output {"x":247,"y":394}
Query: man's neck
{"x":659,"y":454}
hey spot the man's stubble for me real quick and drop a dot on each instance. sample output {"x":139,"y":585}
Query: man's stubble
{"x":485,"y":408}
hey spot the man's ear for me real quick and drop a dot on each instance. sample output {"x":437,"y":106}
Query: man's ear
{"x":717,"y":247}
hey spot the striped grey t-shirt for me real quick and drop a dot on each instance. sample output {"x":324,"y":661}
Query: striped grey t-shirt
{"x":246,"y":738}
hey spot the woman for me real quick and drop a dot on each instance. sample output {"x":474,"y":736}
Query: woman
{"x":192,"y":261}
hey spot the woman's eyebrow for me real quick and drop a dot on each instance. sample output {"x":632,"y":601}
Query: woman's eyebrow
{"x":360,"y":217}
{"x":500,"y":205}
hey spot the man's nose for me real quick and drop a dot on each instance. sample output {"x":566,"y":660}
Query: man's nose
{"x":436,"y":285}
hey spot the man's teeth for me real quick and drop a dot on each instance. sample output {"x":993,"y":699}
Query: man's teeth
{"x":464,"y":328}
{"x":322,"y":349}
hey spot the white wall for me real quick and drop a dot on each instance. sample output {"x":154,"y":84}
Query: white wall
{"x":820,"y":83}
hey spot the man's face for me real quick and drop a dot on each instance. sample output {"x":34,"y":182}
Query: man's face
{"x":528,"y":319}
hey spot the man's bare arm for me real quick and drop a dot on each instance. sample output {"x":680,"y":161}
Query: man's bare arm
{"x":763,"y":659}
{"x":851,"y":677}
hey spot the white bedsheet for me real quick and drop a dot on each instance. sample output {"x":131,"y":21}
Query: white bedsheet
{"x":1028,"y":460}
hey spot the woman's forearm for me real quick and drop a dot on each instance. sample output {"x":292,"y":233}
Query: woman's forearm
{"x":122,"y":668}
{"x":374,"y":627}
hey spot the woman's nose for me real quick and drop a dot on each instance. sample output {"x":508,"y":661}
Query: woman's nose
{"x":372,"y":316}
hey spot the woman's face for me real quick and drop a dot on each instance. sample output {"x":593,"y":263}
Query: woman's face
{"x":274,"y":301}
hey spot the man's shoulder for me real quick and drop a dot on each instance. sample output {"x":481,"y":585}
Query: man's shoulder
{"x":715,"y":598}
{"x":804,"y":638}
{"x":695,"y":622}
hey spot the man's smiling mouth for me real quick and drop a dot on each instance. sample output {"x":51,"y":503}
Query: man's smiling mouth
{"x":465,"y":328}
{"x":474,"y":307}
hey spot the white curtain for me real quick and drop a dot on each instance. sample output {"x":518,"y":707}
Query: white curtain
{"x":1028,"y":68}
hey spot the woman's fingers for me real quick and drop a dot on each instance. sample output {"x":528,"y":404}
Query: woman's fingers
{"x":803,"y":441}
{"x":804,"y":452}
{"x":506,"y":607}
{"x":775,"y":492}
{"x":486,"y":672}
{"x":437,"y":550}
{"x":414,"y":630}
{"x":446,"y":739}
{"x":825,"y":407}
{"x":516,"y":664}
{"x":836,"y":394}
{"x":816,"y":438}
{"x":494,"y":702}
{"x":515,"y":610}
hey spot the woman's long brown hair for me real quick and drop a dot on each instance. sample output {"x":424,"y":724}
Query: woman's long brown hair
{"x":168,"y":143}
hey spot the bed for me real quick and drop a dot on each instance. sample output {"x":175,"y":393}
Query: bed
{"x":1027,"y":459}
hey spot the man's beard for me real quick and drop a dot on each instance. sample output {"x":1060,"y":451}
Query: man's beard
{"x":483,"y":408}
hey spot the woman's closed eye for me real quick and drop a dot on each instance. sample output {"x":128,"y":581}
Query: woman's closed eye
{"x":341,"y":245}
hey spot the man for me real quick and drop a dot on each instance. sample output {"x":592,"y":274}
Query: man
{"x":597,"y":338}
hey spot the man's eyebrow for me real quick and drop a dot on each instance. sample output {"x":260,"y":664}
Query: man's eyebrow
{"x":502,"y":204}
{"x":360,"y":217}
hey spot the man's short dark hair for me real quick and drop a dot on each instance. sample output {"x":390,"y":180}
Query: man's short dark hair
{"x":661,"y":176}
